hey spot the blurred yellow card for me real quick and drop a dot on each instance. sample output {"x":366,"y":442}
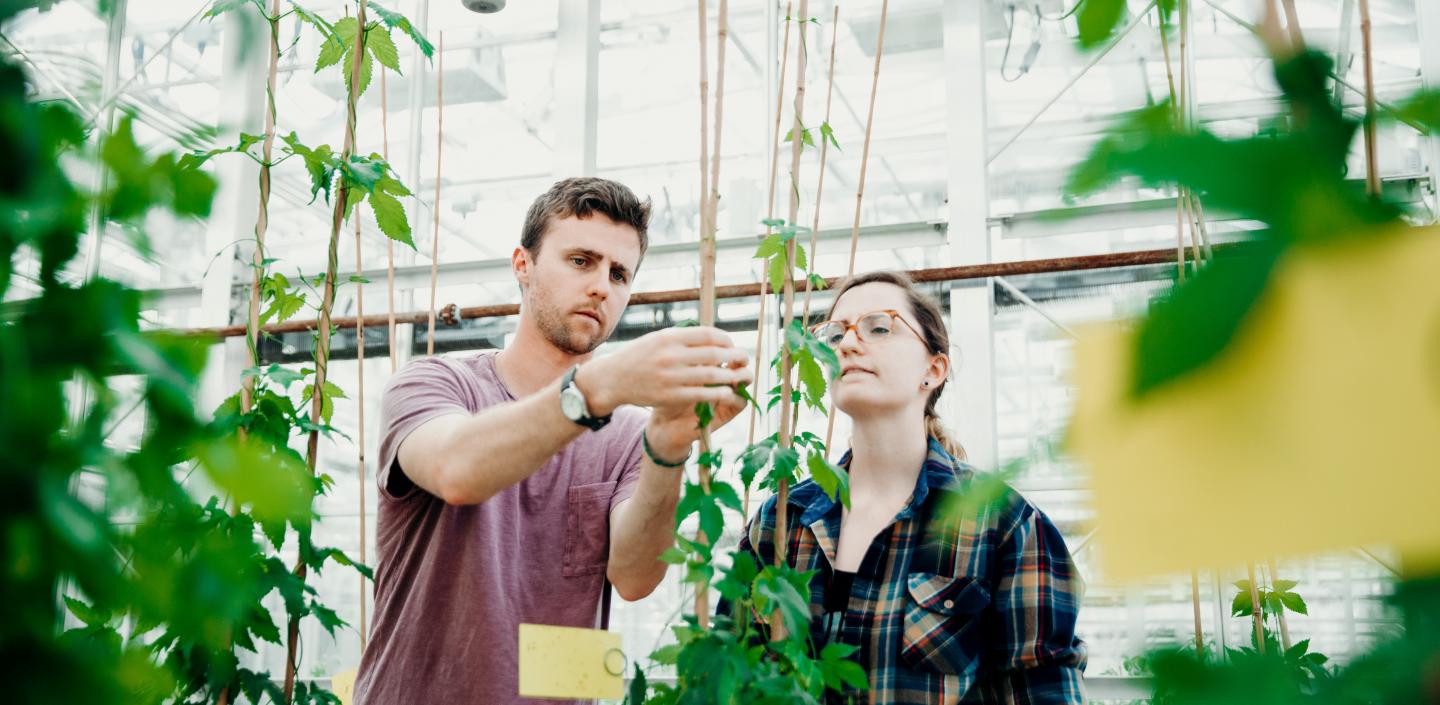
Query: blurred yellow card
{"x":1318,"y":428}
{"x":342,"y":684}
{"x":570,"y":663}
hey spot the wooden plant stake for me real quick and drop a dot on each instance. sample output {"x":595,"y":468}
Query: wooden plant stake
{"x":439,"y":151}
{"x":389,"y":243}
{"x":769,"y":215}
{"x":1372,"y":167}
{"x":322,"y":341}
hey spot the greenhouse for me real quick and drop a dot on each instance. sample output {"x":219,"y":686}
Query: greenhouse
{"x":792,"y":351}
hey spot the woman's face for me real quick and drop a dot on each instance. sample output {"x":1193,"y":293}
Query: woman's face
{"x":885,"y":373}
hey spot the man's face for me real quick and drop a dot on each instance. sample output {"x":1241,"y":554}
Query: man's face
{"x":578,"y":284}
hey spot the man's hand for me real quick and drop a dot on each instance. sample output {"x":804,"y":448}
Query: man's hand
{"x":672,"y":429}
{"x":672,"y":368}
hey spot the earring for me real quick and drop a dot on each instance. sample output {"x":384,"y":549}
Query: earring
{"x":925,"y":384}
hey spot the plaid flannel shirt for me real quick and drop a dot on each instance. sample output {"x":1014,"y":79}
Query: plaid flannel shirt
{"x":978,"y":607}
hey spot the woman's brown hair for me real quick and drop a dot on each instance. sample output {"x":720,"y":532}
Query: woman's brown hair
{"x":936,"y":337}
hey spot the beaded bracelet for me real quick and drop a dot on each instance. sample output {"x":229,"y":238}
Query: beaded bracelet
{"x":650,"y":452}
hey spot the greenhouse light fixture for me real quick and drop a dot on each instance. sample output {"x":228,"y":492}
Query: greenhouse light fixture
{"x":484,"y":7}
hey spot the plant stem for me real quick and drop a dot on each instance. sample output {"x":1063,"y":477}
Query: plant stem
{"x":1195,"y":602}
{"x":1257,"y":612}
{"x":322,"y":340}
{"x":262,"y":218}
{"x":777,"y":627}
{"x":814,"y":252}
{"x":769,"y":215}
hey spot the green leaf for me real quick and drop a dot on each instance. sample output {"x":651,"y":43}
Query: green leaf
{"x":827,"y":134}
{"x":398,"y":21}
{"x":1242,"y":606}
{"x":725,"y":495}
{"x":778,"y":273}
{"x":357,"y":279}
{"x":390,"y":216}
{"x":1283,"y":585}
{"x":220,"y":7}
{"x":1422,"y":109}
{"x":1294,"y":603}
{"x":771,"y":246}
{"x":831,"y":478}
{"x":704,"y":414}
{"x":673,"y":556}
{"x":812,"y":379}
{"x":91,"y":616}
{"x":1191,"y":326}
{"x":274,"y":485}
{"x":1295,"y":652}
{"x":1098,"y":19}
{"x":338,"y":43}
{"x":638,"y":688}
{"x":784,"y":462}
{"x":754,"y":459}
{"x":382,"y":47}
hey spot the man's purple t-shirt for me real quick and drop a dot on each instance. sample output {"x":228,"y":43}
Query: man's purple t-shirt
{"x":453,"y":584}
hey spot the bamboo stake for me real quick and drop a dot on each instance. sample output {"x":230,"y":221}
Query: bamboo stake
{"x":819,"y":194}
{"x":389,"y":244}
{"x":262,"y":218}
{"x":360,"y":407}
{"x":824,"y":152}
{"x":782,"y":524}
{"x":1292,"y":20}
{"x":869,"y":123}
{"x":1257,"y":612}
{"x":435,"y":208}
{"x":1195,"y":602}
{"x":262,"y":224}
{"x":1280,"y":613}
{"x":860,"y":187}
{"x":769,"y":215}
{"x":1183,"y":112}
{"x":1372,"y":169}
{"x":707,"y":258}
{"x":1175,"y":109}
{"x":322,"y":342}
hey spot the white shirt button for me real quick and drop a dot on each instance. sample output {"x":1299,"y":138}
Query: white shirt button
{"x":949,"y":604}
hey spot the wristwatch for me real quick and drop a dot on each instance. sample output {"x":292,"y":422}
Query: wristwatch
{"x":574,"y":405}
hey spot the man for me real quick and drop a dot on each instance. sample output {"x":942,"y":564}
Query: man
{"x":513,"y":485}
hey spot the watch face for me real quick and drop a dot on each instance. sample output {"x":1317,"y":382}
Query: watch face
{"x":572,"y":404}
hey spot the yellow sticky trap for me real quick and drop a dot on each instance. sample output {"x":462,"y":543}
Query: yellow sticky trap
{"x":570,"y":663}
{"x":1315,"y":430}
{"x":342,"y":684}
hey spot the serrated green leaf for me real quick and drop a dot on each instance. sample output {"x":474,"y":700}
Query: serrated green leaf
{"x":1191,"y":326}
{"x":1294,"y":603}
{"x":1098,"y":19}
{"x":832,"y":478}
{"x":778,"y":273}
{"x":337,"y":45}
{"x":390,"y":216}
{"x":382,"y":47}
{"x":1242,"y":606}
{"x":398,"y":21}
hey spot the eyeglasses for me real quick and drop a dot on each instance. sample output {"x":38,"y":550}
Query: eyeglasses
{"x":870,"y":328}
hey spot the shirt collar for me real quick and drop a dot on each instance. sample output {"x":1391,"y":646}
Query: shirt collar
{"x":939,"y":470}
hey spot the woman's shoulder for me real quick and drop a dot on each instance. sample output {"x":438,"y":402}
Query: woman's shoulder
{"x":990,"y":499}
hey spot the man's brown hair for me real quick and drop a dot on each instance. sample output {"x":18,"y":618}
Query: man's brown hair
{"x":582,"y":197}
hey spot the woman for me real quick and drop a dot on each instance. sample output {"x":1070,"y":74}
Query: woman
{"x":946,"y":598}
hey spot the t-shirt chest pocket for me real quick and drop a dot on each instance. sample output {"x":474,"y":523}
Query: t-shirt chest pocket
{"x":587,"y":528}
